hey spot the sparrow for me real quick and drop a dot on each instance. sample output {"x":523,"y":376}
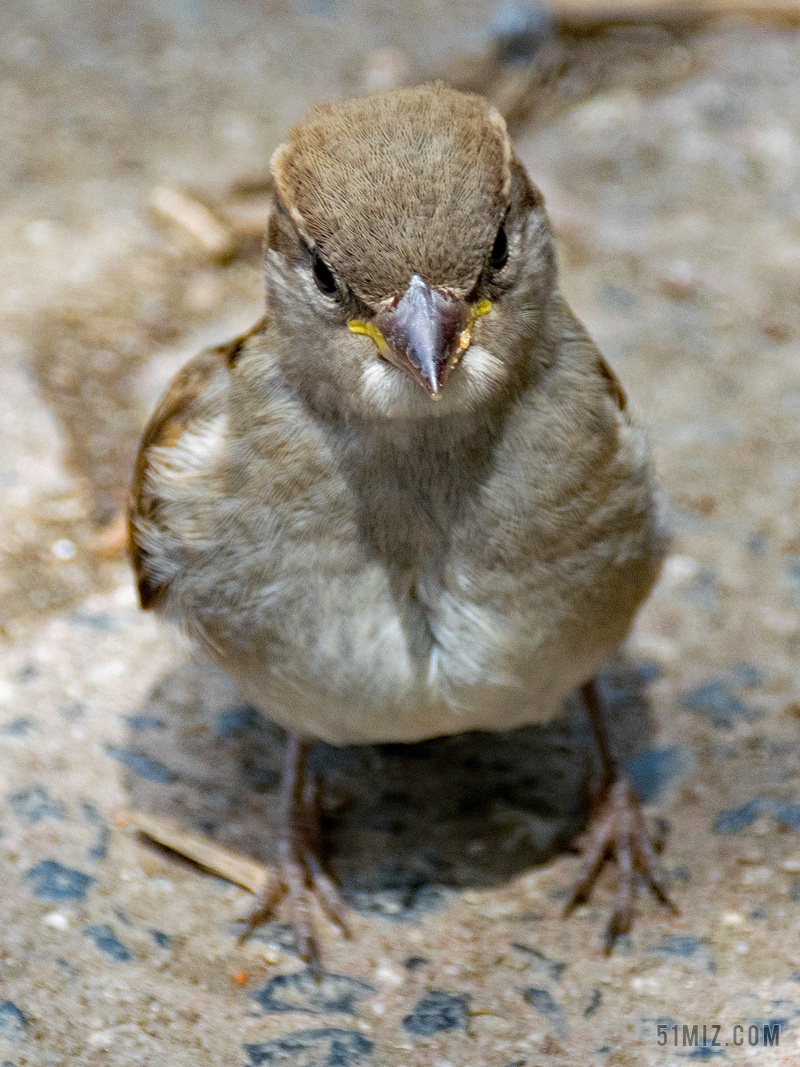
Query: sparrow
{"x":413,"y":500}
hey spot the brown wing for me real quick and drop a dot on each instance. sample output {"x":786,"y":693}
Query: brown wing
{"x":187,"y":400}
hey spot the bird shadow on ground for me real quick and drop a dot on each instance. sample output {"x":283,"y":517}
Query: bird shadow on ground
{"x":405,"y":824}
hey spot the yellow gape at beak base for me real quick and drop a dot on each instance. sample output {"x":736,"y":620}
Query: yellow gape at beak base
{"x":482,"y":307}
{"x":369,"y":329}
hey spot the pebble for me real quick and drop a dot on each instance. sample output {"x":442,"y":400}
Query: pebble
{"x":40,"y":232}
{"x":650,"y":984}
{"x":779,"y":622}
{"x":605,"y":112}
{"x":437,"y":1011}
{"x":63,"y":549}
{"x":56,"y":920}
{"x":51,"y":880}
{"x":101,"y":1039}
{"x":653,"y":646}
{"x":732,"y":918}
{"x":272,"y":954}
{"x":386,"y":68}
{"x":756,"y":875}
{"x":389,"y":976}
{"x":679,"y":281}
{"x":678,"y":570}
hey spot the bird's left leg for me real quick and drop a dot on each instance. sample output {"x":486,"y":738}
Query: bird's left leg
{"x":299,"y":875}
{"x":618,"y":829}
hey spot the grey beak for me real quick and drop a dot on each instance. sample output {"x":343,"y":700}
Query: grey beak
{"x":423,"y":331}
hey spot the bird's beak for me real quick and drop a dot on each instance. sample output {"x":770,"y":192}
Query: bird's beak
{"x":424,"y":333}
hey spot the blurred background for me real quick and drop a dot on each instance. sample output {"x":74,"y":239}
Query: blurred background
{"x":136,"y":138}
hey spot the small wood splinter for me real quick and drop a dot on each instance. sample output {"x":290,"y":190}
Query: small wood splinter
{"x":201,"y":223}
{"x":232,"y":866}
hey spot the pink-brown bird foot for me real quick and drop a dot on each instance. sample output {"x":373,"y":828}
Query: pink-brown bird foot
{"x":619,"y":831}
{"x":299,"y":874}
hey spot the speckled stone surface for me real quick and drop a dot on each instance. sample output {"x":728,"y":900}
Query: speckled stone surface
{"x":678,"y":213}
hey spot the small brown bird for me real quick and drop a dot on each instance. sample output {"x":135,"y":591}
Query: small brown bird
{"x":412,"y":501}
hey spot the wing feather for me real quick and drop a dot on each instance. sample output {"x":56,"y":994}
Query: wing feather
{"x":191,"y":401}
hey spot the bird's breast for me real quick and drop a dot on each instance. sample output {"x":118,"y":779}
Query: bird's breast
{"x":353,"y":651}
{"x":397,"y":590}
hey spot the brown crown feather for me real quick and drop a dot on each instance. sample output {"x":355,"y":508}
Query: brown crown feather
{"x":409,"y":180}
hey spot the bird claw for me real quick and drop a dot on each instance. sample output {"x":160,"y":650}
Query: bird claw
{"x":620,"y":831}
{"x":301,"y":878}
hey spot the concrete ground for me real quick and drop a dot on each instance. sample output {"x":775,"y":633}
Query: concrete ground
{"x":676,"y":198}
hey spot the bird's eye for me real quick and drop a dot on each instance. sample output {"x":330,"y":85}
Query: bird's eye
{"x":323,"y":277}
{"x":499,"y":254}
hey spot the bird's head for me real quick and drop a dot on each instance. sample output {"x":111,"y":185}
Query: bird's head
{"x":409,"y":259}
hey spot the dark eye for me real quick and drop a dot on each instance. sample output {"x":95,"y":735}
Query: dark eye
{"x":499,"y":255}
{"x":325,"y":281}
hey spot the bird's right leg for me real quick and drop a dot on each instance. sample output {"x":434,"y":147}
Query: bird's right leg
{"x":299,"y":874}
